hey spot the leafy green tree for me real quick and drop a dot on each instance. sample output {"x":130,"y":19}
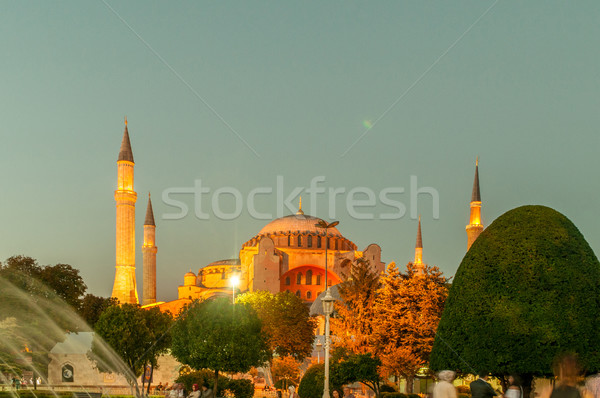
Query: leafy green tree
{"x":286,"y":322}
{"x":138,"y":336}
{"x":93,"y":306}
{"x":220,"y":336}
{"x":348,"y":367}
{"x":65,"y":281}
{"x":527,"y":290}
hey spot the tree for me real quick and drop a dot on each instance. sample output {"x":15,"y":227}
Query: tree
{"x":409,"y":306}
{"x":93,"y":306}
{"x":527,"y":290}
{"x":285,"y":369}
{"x":220,"y":336}
{"x":286,"y":322}
{"x":138,"y":336}
{"x":363,"y":368}
{"x":65,"y":281}
{"x":353,"y":323}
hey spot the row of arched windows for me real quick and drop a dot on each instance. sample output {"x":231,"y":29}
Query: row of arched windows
{"x":309,"y":242}
{"x":307,"y":281}
{"x":309,"y":294}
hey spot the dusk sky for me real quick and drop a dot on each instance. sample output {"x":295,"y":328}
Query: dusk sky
{"x":236,"y":94}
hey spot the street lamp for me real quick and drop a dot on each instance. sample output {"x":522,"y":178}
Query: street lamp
{"x":327,"y":304}
{"x":323,"y":224}
{"x":327,"y":310}
{"x":234,"y":281}
{"x":319,"y":346}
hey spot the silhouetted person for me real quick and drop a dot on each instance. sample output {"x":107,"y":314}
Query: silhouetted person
{"x":480,"y":388}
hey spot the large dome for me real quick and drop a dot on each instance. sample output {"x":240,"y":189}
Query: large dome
{"x":295,"y":223}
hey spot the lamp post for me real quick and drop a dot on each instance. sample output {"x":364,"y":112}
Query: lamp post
{"x":323,"y":224}
{"x":234,"y":281}
{"x":327,"y":304}
{"x":319,"y":349}
{"x":327,"y":310}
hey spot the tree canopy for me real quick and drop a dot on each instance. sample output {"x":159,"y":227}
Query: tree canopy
{"x":356,"y":314}
{"x":409,"y":305}
{"x":138,"y":336}
{"x":286,"y":322}
{"x":527,"y":290}
{"x":220,"y":336}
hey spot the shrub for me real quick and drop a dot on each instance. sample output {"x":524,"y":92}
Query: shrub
{"x":241,"y":388}
{"x":530,"y":288}
{"x":387,"y":388}
{"x":200,"y":377}
{"x":311,"y":385}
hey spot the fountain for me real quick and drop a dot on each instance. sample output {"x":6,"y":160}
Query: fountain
{"x":36,"y":327}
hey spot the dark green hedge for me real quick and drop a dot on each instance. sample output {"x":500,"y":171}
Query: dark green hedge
{"x":527,"y":290}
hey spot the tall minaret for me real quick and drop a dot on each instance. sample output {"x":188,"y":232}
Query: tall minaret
{"x":124,"y":288}
{"x":475,"y":225}
{"x":149,"y":250}
{"x":419,"y":250}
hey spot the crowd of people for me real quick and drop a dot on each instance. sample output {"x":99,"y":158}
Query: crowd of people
{"x":569,"y":383}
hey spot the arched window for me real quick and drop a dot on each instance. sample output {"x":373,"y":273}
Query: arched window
{"x":299,"y":278}
{"x":319,"y":280}
{"x":309,"y":277}
{"x":328,"y":243}
{"x":298,"y":293}
{"x":318,"y":242}
{"x":287,"y":281}
{"x":299,"y":241}
{"x":308,"y":295}
{"x":336,"y":244}
{"x":309,"y":241}
{"x":289,"y":240}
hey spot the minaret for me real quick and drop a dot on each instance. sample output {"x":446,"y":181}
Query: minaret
{"x":419,"y":250}
{"x":124,"y":288}
{"x":149,"y":250}
{"x":475,"y":225}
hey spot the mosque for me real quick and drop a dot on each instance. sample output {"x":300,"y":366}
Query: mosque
{"x":288,"y":254}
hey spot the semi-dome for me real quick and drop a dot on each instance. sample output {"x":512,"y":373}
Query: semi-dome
{"x":297,"y":222}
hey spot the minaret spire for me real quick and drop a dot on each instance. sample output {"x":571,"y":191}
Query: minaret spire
{"x":124,"y":288}
{"x":419,"y":250}
{"x":475,"y":225}
{"x":149,"y":220}
{"x":149,"y":250}
{"x":126,"y":153}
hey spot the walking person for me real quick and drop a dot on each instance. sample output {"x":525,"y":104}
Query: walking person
{"x":207,"y":392}
{"x":480,"y":388}
{"x":515,"y":388}
{"x":444,"y":387}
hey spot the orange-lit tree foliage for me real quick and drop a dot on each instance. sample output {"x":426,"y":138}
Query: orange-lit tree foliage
{"x":409,"y":307}
{"x":353,"y":324}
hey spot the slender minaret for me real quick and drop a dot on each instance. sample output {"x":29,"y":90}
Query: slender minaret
{"x":149,"y":250}
{"x":419,"y":250}
{"x":475,"y":225}
{"x":124,"y":288}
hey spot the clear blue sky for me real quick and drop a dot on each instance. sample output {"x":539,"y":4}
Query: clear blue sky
{"x":299,"y":82}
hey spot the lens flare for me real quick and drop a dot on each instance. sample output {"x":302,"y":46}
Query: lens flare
{"x":367,"y":123}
